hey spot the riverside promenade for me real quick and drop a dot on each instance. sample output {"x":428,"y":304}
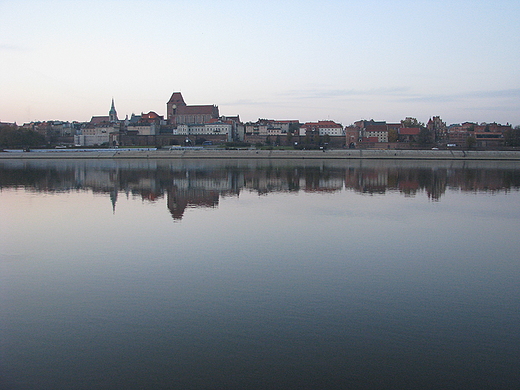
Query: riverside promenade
{"x":339,"y":154}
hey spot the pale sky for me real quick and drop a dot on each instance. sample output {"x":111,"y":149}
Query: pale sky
{"x":308,"y":59}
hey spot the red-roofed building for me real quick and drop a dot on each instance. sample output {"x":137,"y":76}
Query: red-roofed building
{"x":98,"y":120}
{"x":408,"y":134}
{"x":151,"y":117}
{"x":372,"y":130}
{"x":178,"y":112}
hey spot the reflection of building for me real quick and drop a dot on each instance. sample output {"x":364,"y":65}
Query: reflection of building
{"x":202,"y":184}
{"x":178,"y":200}
{"x":199,"y":188}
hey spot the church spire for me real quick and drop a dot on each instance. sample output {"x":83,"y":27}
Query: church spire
{"x":112,"y":114}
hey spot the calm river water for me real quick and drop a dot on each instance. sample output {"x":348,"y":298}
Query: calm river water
{"x":259,"y":274}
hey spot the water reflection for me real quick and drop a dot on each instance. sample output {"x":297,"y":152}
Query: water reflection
{"x":301,"y":279}
{"x":202,"y":183}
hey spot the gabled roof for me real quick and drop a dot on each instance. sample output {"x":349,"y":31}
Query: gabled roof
{"x":177,"y":99}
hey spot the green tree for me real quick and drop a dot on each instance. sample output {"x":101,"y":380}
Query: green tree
{"x":294,"y":128}
{"x":471,"y":141}
{"x":14,"y":137}
{"x":392,"y":135}
{"x":289,"y":138}
{"x":425,"y":137}
{"x":512,"y":137}
{"x":411,"y":122}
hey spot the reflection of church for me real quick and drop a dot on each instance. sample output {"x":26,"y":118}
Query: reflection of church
{"x":195,"y":184}
{"x":180,"y":199}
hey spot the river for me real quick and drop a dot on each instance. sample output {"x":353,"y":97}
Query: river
{"x":259,"y":274}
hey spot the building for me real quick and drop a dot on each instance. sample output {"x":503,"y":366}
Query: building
{"x":458,"y":134}
{"x":322,"y":128}
{"x":92,"y":135}
{"x":372,"y":131}
{"x":98,"y":130}
{"x":145,"y":124}
{"x":437,"y":128}
{"x":376,"y":131}
{"x":112,"y":114}
{"x":179,"y":113}
{"x":223,"y":130}
{"x":351,"y":136}
{"x":273,"y":127}
{"x":408,"y":134}
{"x":490,"y":134}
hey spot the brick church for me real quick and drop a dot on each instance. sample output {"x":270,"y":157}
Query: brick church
{"x":178,"y":112}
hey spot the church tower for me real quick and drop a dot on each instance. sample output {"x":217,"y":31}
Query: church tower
{"x":112,"y":114}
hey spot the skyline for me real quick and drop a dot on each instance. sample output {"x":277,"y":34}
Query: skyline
{"x":307,"y":60}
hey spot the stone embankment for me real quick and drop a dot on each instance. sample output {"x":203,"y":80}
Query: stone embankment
{"x":267,"y":154}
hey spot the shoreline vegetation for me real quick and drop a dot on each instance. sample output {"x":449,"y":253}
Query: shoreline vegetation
{"x":339,"y":154}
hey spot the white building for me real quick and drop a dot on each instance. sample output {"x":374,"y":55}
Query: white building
{"x":214,"y":128}
{"x":382,"y":135}
{"x":144,"y":128}
{"x":330,"y":128}
{"x":91,"y":136}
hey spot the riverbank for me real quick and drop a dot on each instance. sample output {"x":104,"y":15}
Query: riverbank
{"x":266,"y":154}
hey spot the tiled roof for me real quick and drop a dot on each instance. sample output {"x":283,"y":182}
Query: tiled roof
{"x":409,"y":130}
{"x":96,"y":120}
{"x":177,"y":99}
{"x":195,"y":110}
{"x":372,"y":128}
{"x":322,"y":124}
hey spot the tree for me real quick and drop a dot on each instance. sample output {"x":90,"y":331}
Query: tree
{"x":425,"y":137}
{"x":471,"y":141}
{"x":411,"y":122}
{"x":289,"y":138}
{"x":393,"y":135}
{"x":294,"y":128}
{"x":512,"y":137}
{"x":14,"y":137}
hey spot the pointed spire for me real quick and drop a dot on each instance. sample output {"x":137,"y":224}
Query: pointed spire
{"x":112,"y":114}
{"x":113,"y":199}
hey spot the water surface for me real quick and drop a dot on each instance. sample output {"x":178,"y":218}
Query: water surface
{"x":259,"y":274}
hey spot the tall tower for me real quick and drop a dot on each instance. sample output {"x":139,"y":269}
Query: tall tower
{"x":112,"y":114}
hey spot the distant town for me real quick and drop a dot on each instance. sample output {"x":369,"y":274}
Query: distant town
{"x":202,"y":125}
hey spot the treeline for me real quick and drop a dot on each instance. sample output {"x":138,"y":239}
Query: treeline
{"x":512,"y":137}
{"x":15,"y":137}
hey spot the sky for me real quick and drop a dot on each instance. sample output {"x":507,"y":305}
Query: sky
{"x":308,"y":60}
